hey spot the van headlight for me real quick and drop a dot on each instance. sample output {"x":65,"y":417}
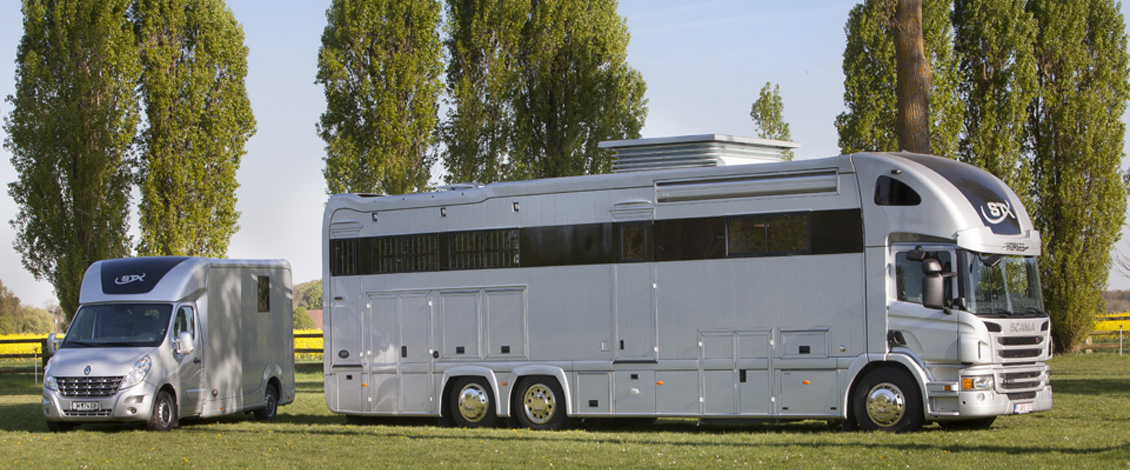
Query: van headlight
{"x":48,"y":379}
{"x":978,"y":382}
{"x":137,"y":374}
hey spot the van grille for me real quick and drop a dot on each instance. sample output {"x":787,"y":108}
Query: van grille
{"x":87,"y":414}
{"x":88,"y":387}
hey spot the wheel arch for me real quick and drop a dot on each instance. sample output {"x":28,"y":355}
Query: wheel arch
{"x":453,"y":373}
{"x":866,"y":363}
{"x":557,"y":373}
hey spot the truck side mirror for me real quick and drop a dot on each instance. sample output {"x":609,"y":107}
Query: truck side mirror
{"x":53,"y":342}
{"x":184,"y":343}
{"x":933,"y":284}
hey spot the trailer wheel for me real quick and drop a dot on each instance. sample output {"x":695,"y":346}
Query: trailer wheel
{"x":164,"y":415}
{"x":539,"y":404}
{"x":887,"y":399}
{"x":472,"y":403}
{"x":271,"y":404}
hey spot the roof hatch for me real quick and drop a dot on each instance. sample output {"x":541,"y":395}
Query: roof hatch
{"x":693,"y":151}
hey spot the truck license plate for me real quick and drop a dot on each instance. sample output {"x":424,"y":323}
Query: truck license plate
{"x":84,"y":406}
{"x":1021,"y":408}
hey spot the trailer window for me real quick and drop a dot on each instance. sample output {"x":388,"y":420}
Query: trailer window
{"x":264,"y":294}
{"x":405,"y":254}
{"x":908,"y":276}
{"x":483,"y":250}
{"x":633,"y":242}
{"x":764,"y":235}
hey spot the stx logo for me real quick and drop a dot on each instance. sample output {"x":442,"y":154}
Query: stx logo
{"x":998,"y":211}
{"x":1015,"y":246}
{"x":129,"y":279}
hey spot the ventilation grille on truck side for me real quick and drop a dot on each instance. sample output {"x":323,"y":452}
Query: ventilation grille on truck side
{"x":88,"y":387}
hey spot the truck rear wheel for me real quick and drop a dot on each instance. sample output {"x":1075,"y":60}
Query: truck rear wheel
{"x":164,"y":416}
{"x":887,"y":399}
{"x":271,"y":404}
{"x":472,"y":403}
{"x":539,"y":404}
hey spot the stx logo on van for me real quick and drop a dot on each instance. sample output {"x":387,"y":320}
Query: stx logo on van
{"x":129,"y":279}
{"x":998,"y":211}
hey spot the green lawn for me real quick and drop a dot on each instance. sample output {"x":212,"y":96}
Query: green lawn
{"x":1089,"y":427}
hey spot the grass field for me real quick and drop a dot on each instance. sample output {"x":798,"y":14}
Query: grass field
{"x":1089,"y":427}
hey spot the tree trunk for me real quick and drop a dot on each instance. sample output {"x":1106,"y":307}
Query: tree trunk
{"x":913,"y":74}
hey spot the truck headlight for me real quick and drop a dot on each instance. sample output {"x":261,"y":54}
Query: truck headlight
{"x":137,"y":374}
{"x":48,"y":379}
{"x":979,"y":382}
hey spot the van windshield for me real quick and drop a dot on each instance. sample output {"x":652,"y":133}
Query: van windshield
{"x":119,"y":326}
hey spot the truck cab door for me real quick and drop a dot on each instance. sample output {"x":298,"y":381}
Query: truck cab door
{"x":931,"y":333}
{"x":190,"y":366}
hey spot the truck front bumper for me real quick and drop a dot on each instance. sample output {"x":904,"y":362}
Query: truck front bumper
{"x":132,"y":404}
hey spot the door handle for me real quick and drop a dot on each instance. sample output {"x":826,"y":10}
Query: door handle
{"x":435,"y":354}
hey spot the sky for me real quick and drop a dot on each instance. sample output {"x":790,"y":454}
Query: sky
{"x":704,"y":63}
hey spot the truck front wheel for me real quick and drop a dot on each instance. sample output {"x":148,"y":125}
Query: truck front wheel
{"x":887,"y":399}
{"x":164,"y":415}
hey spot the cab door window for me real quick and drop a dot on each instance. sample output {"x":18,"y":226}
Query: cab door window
{"x":908,"y":275}
{"x":184,"y":322}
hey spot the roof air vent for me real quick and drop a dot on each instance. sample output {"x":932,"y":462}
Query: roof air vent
{"x":693,"y":151}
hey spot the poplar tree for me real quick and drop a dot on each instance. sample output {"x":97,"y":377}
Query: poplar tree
{"x":199,"y":118}
{"x":379,"y":65}
{"x":483,"y":41}
{"x":993,"y":40}
{"x":1077,"y":139}
{"x":576,"y":90}
{"x":535,"y":86}
{"x":768,"y":113}
{"x":74,"y":116}
{"x":870,"y":121}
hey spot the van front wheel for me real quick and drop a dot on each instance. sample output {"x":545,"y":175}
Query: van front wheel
{"x":164,"y":416}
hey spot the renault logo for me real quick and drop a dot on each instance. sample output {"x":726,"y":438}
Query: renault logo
{"x":86,"y":371}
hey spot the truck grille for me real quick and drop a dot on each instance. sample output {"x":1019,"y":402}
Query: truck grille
{"x":88,"y":387}
{"x":1020,"y":340}
{"x":1021,"y":380}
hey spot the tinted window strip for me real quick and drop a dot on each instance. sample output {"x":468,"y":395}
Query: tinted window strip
{"x":695,"y":239}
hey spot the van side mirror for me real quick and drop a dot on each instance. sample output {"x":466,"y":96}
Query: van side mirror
{"x":53,"y":342}
{"x":184,"y":343}
{"x":933,"y":284}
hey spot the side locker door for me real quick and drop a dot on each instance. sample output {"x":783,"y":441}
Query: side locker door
{"x":755,"y":372}
{"x":381,"y":343}
{"x":717,"y":372}
{"x":416,"y":386}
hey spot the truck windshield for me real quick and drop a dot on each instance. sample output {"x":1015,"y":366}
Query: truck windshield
{"x":1004,"y":286}
{"x":119,"y":326}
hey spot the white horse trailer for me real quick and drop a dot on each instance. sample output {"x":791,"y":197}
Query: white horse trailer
{"x":880,"y":289}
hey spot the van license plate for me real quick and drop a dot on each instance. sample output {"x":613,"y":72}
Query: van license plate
{"x":1021,"y":408}
{"x":84,"y":406}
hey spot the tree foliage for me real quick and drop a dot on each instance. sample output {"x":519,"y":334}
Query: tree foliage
{"x":768,"y":113}
{"x":199,"y":118}
{"x":302,"y":321}
{"x":1077,"y":139}
{"x":16,"y":318}
{"x":379,"y":65}
{"x":869,"y":123}
{"x":536,"y":86}
{"x":75,"y":113}
{"x":993,"y":41}
{"x":308,"y":295}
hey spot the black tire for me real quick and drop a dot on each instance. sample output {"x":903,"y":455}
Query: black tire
{"x":472,"y":403}
{"x":539,"y":404}
{"x":59,"y":426}
{"x":164,"y":416}
{"x":270,"y":404}
{"x":969,"y":424}
{"x":887,"y":399}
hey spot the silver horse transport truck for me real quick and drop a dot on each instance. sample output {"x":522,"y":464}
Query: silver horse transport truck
{"x":159,"y":339}
{"x":884,"y":290}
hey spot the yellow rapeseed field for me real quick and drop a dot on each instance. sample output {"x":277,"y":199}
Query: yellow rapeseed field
{"x":1112,"y":322}
{"x":22,"y":348}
